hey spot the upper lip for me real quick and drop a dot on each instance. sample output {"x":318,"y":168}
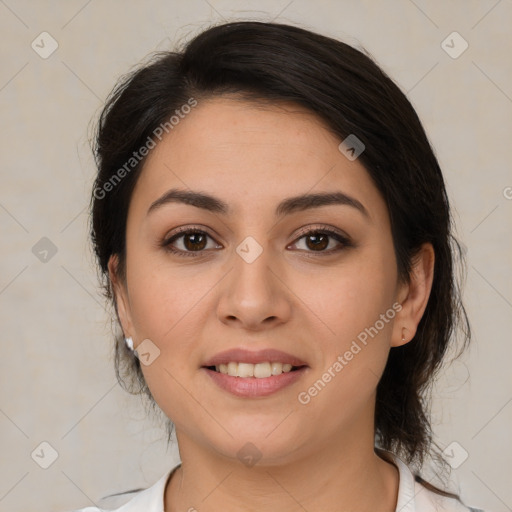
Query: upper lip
{"x":241,"y":355}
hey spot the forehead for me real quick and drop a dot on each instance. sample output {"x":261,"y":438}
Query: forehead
{"x":251,"y":153}
{"x":228,"y":128}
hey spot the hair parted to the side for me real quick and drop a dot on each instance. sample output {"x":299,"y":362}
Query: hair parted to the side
{"x":272,"y":62}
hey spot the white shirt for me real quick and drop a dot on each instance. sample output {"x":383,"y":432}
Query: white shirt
{"x":412,"y":496}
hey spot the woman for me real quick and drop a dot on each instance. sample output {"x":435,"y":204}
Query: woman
{"x":274,"y":232}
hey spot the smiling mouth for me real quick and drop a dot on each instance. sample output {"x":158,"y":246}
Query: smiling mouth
{"x":246,"y":380}
{"x":256,"y":371}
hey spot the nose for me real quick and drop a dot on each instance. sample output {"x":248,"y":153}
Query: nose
{"x":254,"y":295}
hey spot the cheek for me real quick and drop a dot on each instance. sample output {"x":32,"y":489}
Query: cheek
{"x":359,"y":311}
{"x":151,"y":304}
{"x":161,"y":296}
{"x":355,"y":306}
{"x":350,"y":298}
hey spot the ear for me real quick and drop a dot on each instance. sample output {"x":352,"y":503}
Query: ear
{"x":121,"y":297}
{"x":413,"y":296}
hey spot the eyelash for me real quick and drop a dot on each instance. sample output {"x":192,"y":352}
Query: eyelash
{"x":343,"y":240}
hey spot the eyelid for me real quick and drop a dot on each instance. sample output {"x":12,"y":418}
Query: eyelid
{"x":185,"y":229}
{"x":323,"y":228}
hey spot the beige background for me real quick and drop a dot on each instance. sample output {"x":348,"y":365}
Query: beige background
{"x":57,"y":380}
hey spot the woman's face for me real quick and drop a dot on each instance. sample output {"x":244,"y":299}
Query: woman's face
{"x":250,"y":278}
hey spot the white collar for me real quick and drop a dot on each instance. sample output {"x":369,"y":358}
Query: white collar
{"x":406,"y":483}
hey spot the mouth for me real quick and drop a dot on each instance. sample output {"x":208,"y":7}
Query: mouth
{"x":252,"y":374}
{"x":261,"y":370}
{"x":247,"y":380}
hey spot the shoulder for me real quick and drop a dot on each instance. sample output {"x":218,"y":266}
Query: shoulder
{"x":415,"y":497}
{"x":427,"y":501}
{"x":149,"y":500}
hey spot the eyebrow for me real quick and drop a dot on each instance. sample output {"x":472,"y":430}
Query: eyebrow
{"x":285,"y":207}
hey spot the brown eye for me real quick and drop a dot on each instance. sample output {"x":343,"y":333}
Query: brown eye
{"x":318,"y":240}
{"x":189,"y":241}
{"x":194,"y":241}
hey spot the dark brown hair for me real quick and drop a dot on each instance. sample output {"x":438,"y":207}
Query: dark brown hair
{"x":345,"y":88}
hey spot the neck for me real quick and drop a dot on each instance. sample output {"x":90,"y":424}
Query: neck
{"x":341,"y":477}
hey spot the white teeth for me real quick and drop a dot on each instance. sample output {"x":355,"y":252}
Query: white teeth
{"x":262,"y":370}
{"x":245,"y":370}
{"x":259,"y":370}
{"x":277,"y":368}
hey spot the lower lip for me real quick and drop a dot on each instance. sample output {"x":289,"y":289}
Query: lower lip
{"x":252,"y":386}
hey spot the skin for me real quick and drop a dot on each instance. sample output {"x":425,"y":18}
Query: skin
{"x":319,"y":456}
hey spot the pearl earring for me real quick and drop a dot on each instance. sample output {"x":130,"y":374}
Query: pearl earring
{"x":129,"y":343}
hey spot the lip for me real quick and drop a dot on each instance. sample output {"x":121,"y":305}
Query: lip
{"x":252,"y":387}
{"x":240,"y":355}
